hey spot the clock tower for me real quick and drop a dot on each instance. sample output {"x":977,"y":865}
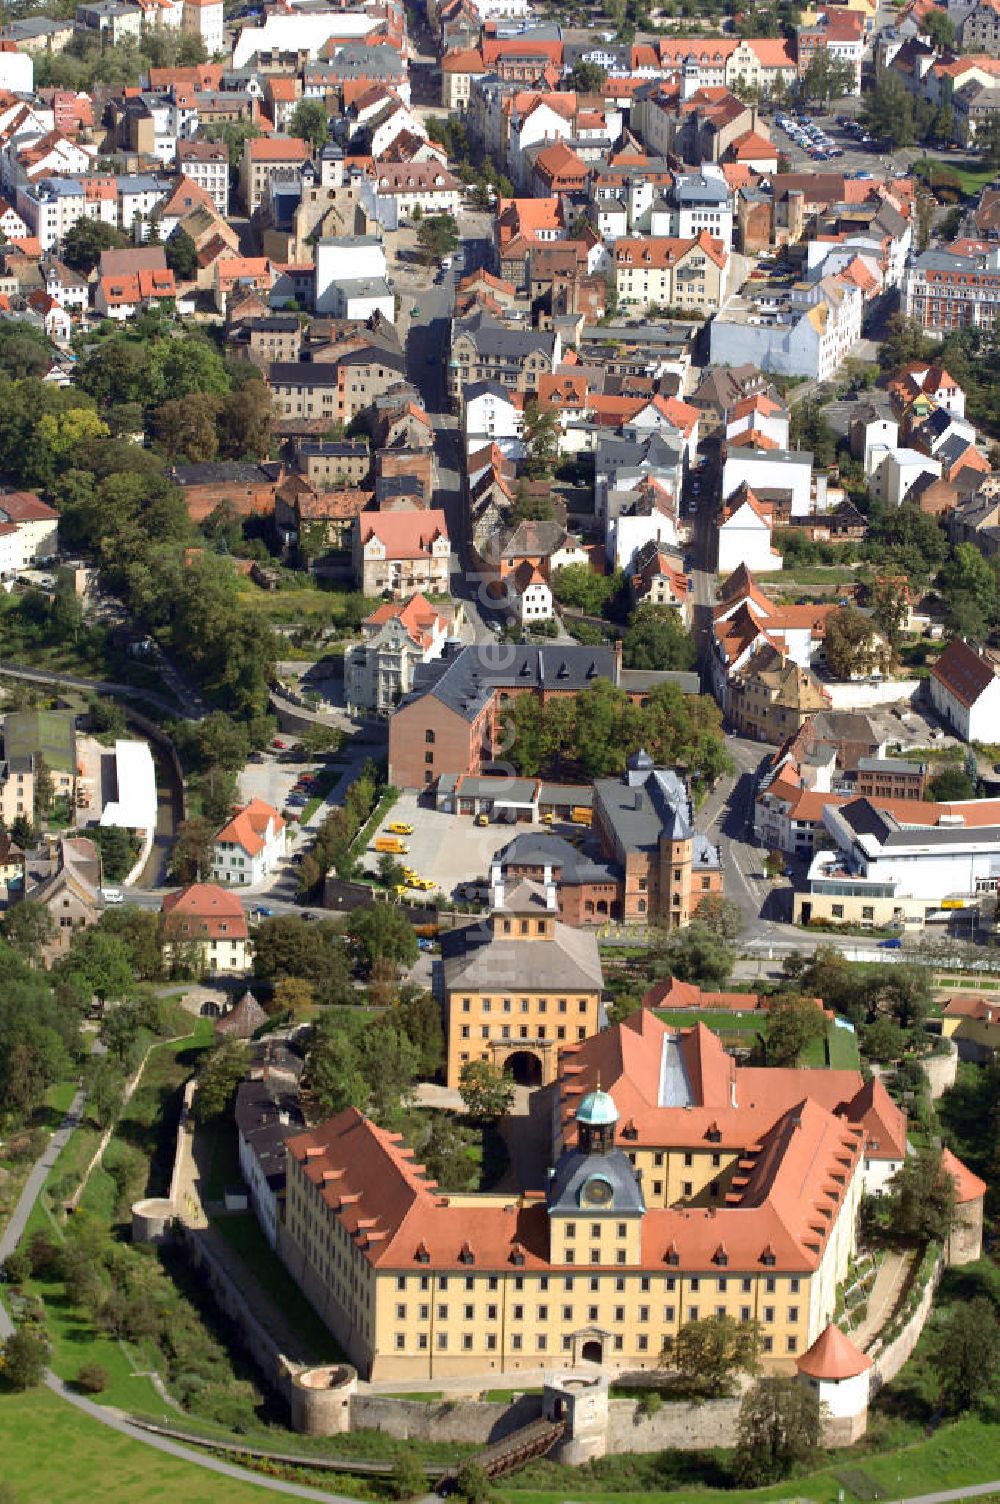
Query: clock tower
{"x":595,"y":1200}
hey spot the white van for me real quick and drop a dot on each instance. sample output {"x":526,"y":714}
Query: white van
{"x":112,"y":895}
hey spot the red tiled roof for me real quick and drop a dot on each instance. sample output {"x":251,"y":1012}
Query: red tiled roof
{"x":833,"y":1357}
{"x":248,"y":828}
{"x":968,"y":1186}
{"x":204,"y":911}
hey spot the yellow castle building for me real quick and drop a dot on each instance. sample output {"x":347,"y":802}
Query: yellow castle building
{"x":681,"y":1185}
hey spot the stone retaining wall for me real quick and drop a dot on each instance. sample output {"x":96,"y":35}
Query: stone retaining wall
{"x":462,"y":1418}
{"x":890,"y":1359}
{"x":941,"y":1071}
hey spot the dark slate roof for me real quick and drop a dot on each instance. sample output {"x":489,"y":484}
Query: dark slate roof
{"x":226,"y":472}
{"x":491,"y":337}
{"x":575,"y":1169}
{"x":267,"y":1113}
{"x":643,"y":805}
{"x":538,"y":848}
{"x":465,"y":680}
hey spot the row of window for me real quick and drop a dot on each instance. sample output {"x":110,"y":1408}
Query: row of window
{"x":693,"y":1283}
{"x":506,"y":1005}
{"x":542,"y":1342}
{"x":619,"y":1315}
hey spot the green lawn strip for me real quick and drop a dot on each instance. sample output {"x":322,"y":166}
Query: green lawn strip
{"x":842,"y":1049}
{"x":54,"y":1453}
{"x":59,"y":1097}
{"x":243,"y":1235}
{"x":219,"y":1159}
{"x":325,"y":779}
{"x":721,"y":1021}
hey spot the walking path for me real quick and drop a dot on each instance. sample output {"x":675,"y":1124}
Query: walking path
{"x":37,"y":1176}
{"x":889,"y":1284}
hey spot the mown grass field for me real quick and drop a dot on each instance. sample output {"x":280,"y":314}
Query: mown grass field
{"x":53,"y":1454}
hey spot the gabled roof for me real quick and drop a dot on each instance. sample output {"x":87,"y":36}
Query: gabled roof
{"x":248,"y":828}
{"x":963,"y":672}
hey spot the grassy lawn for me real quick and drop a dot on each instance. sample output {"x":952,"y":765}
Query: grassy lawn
{"x":221,"y":1163}
{"x":722,"y":1022}
{"x":842,"y":1050}
{"x":51,"y":1452}
{"x":245,"y":1238}
{"x":309,"y":604}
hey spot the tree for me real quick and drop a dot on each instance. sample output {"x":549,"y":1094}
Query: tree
{"x":586,"y":77}
{"x":890,"y":608}
{"x":45,"y":788}
{"x":485,"y":1090}
{"x":966,"y":1354}
{"x":853,"y":646}
{"x":191,"y":854}
{"x":778,"y":1428}
{"x":185,"y":428}
{"x":951,"y":784}
{"x":383,"y":932}
{"x":295,"y":997}
{"x":333,"y":1076}
{"x":86,"y":239}
{"x":541,"y":438}
{"x":793,"y":1023}
{"x":408,"y":1479}
{"x":102,"y":964}
{"x":289,"y":947}
{"x":721,"y":916}
{"x":883,"y":1040}
{"x":29,"y":927}
{"x":218,"y":1079}
{"x":708,"y":1354}
{"x":107,"y":1091}
{"x":246,"y":422}
{"x":939,"y":29}
{"x":827,"y":77}
{"x":25,"y":1359}
{"x":118,"y":848}
{"x":233,"y":134}
{"x":969,"y":586}
{"x":657,"y":639}
{"x":311,"y":123}
{"x":905,"y":993}
{"x":420,"y":1016}
{"x":921,"y":1198}
{"x":182,"y":255}
{"x":531,"y":505}
{"x":890,"y":112}
{"x":578,"y":585}
{"x":472,"y":1484}
{"x":774,"y":863}
{"x":437,"y":237}
{"x":695,"y":955}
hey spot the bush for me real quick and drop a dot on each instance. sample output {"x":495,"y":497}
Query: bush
{"x":18,"y":1266}
{"x":25,"y":1356}
{"x":651,"y":1403}
{"x":93,"y":1378}
{"x":45,"y":1254}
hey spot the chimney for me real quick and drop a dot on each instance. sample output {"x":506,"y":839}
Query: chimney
{"x":618,"y":661}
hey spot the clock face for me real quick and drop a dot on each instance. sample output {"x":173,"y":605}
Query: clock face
{"x":597,"y":1192}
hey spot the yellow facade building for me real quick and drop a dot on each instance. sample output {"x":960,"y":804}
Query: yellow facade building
{"x":686,"y":1187}
{"x":519,"y":986}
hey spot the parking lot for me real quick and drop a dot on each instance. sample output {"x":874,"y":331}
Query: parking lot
{"x":451,"y":850}
{"x":855,"y":156}
{"x":272,"y":780}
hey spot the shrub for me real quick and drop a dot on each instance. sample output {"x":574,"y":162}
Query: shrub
{"x":651,"y":1403}
{"x":25,"y":1356}
{"x":93,"y":1378}
{"x":45,"y":1254}
{"x":18,"y":1266}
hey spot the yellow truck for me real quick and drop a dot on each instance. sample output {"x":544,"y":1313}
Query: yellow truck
{"x":580,"y":815}
{"x":400,"y":828}
{"x":392,"y":844}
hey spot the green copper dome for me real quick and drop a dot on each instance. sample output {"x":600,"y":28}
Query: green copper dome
{"x":598,"y":1110}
